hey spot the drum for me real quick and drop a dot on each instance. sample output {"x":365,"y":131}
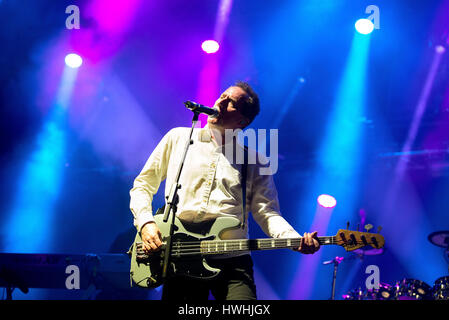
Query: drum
{"x":355,"y":294}
{"x":385,"y":292}
{"x":440,"y":289}
{"x":412,"y":289}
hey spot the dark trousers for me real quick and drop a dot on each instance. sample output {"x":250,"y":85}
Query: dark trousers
{"x":235,"y":282}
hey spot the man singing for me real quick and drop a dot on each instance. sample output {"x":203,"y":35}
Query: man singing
{"x":211,"y":187}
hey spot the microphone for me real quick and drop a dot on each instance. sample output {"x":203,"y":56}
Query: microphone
{"x":199,"y":108}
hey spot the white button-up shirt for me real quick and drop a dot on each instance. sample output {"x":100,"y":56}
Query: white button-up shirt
{"x":211,"y":185}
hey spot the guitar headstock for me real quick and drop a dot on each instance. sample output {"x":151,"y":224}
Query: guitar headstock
{"x":351,"y":240}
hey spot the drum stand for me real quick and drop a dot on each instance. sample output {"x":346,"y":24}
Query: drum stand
{"x":446,"y":257}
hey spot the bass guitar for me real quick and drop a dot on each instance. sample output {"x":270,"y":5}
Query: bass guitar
{"x":190,"y":249}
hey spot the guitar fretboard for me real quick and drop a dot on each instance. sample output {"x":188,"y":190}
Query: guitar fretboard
{"x":208,"y":247}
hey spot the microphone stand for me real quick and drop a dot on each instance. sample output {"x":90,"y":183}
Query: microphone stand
{"x":336,"y":261}
{"x":172,"y":200}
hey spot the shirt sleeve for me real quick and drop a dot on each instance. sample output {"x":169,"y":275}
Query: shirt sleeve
{"x":148,"y":181}
{"x":265,"y":206}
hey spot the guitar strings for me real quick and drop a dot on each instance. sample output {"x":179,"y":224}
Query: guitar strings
{"x":198,"y":247}
{"x":202,"y":244}
{"x":278,"y":242}
{"x":211,"y":247}
{"x":269,"y":241}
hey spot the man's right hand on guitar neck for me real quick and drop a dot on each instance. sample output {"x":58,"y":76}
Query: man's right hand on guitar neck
{"x":151,"y":237}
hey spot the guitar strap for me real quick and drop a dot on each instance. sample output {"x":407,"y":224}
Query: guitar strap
{"x":243,"y":183}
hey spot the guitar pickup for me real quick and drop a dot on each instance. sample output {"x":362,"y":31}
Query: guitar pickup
{"x":144,"y":258}
{"x":141,"y":255}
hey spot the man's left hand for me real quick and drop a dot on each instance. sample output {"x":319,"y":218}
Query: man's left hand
{"x":309,"y":243}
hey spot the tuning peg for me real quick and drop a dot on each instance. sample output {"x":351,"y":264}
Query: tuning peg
{"x":347,"y":225}
{"x":368,"y":227}
{"x":379,"y":228}
{"x":358,"y":226}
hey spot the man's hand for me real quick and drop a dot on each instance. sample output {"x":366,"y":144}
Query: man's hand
{"x":309,"y":243}
{"x":151,"y":237}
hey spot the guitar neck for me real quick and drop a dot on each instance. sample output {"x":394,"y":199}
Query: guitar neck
{"x":231,"y":246}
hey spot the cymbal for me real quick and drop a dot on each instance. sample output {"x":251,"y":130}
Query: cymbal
{"x":368,"y":252}
{"x":439,"y":238}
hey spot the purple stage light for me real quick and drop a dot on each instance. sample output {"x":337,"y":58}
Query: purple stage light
{"x":210,"y":46}
{"x":73,"y":60}
{"x":327,"y":201}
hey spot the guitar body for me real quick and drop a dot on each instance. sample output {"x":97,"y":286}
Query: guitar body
{"x":146,"y":270}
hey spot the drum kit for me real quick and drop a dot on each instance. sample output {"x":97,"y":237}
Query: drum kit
{"x":408,"y":289}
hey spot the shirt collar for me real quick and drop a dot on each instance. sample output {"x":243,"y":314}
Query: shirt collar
{"x":205,"y":134}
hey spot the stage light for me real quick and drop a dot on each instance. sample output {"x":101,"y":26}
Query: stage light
{"x":73,"y":60}
{"x":210,"y":46}
{"x":440,"y":49}
{"x":30,"y":227}
{"x":327,"y":201}
{"x":364,"y":26}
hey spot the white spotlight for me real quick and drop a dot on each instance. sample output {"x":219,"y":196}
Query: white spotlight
{"x":364,"y":26}
{"x":440,"y":49}
{"x":73,"y":60}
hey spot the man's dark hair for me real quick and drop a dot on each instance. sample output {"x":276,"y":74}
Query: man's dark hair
{"x":251,"y":105}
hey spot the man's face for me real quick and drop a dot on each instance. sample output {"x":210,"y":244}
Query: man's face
{"x":229,"y":105}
